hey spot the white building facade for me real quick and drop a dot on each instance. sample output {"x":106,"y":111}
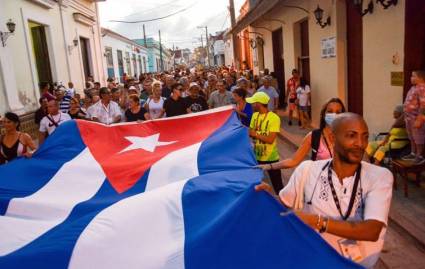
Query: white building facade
{"x":123,"y":55}
{"x":53,"y":41}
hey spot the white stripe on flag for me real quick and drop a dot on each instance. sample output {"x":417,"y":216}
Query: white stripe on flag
{"x":28,"y":218}
{"x":145,"y":230}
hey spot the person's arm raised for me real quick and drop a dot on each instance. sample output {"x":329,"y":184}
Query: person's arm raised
{"x":296,"y":159}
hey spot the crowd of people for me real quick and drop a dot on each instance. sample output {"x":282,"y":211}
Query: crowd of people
{"x":346,"y":199}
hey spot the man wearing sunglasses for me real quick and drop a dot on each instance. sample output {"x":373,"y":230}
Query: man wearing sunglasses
{"x":175,"y":105}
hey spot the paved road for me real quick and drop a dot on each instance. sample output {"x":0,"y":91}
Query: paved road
{"x":400,"y":250}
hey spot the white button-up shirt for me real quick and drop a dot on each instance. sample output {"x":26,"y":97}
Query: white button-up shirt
{"x":374,"y":191}
{"x":105,"y":114}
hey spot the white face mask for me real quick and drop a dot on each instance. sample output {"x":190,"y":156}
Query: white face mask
{"x":330,"y":117}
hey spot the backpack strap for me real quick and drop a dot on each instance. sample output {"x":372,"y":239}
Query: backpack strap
{"x":315,"y":143}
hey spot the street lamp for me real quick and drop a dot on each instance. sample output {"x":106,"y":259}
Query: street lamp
{"x":318,"y":13}
{"x":387,"y":3}
{"x":359,"y":4}
{"x":5,"y":35}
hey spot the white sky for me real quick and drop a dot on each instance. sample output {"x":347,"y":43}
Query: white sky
{"x":180,"y":29}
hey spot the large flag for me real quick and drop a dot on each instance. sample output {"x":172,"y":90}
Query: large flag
{"x":170,"y":193}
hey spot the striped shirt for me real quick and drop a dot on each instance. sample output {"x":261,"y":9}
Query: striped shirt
{"x":64,"y":104}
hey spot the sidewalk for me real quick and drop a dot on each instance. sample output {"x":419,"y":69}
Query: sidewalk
{"x":407,"y":215}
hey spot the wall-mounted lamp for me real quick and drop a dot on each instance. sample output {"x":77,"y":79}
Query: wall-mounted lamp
{"x":359,"y":4}
{"x":5,"y":35}
{"x":318,"y":14}
{"x":74,"y":45}
{"x":387,"y":3}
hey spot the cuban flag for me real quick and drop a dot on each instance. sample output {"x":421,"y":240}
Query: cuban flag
{"x":170,"y":193}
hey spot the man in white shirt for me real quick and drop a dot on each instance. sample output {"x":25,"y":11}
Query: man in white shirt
{"x":51,"y":121}
{"x":343,"y":198}
{"x":105,"y":111}
{"x":271,"y":92}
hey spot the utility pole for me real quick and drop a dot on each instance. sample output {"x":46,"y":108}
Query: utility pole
{"x":202,"y":46}
{"x":207,"y":43}
{"x":160,"y":51}
{"x":234,"y":37}
{"x":174,"y":57}
{"x":144,"y":36}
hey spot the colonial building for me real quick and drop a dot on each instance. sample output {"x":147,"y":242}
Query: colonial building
{"x":123,"y":55}
{"x":159,"y":57}
{"x":217,"y":49}
{"x":53,"y":41}
{"x":360,"y":51}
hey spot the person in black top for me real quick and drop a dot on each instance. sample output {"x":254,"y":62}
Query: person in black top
{"x":42,"y":111}
{"x":195,"y":102}
{"x":175,"y":105}
{"x":135,"y":112}
{"x":166,"y":89}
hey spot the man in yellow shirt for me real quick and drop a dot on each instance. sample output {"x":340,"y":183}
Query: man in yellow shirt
{"x":264,"y":127}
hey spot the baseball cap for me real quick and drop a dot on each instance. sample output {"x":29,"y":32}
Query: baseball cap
{"x":194,"y":84}
{"x":258,"y":97}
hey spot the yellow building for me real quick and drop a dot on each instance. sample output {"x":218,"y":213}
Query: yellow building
{"x":364,"y":55}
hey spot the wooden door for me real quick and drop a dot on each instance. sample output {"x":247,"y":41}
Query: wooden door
{"x":414,"y":40}
{"x":305,"y":52}
{"x":41,"y":54}
{"x":278,"y":63}
{"x":85,"y":54}
{"x":354,"y":59}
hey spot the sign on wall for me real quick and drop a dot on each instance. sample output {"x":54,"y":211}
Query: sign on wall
{"x":328,"y":47}
{"x":397,"y":79}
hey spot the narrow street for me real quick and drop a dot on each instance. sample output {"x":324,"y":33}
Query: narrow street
{"x":401,"y":249}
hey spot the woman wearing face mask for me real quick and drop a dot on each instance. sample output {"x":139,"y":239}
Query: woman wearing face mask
{"x":318,"y":141}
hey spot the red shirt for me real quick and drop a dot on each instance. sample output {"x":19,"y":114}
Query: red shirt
{"x":292,"y":86}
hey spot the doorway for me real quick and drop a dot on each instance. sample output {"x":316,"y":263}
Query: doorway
{"x":109,"y":62}
{"x":41,"y":52}
{"x":120,"y":65}
{"x":354,"y":59}
{"x":86,"y":57}
{"x":304,"y":59}
{"x":278,"y":63}
{"x":414,"y":40}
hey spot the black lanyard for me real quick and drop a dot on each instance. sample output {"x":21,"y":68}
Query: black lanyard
{"x":259,"y":124}
{"x":353,"y":193}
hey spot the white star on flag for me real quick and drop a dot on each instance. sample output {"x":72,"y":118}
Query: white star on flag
{"x":148,"y":143}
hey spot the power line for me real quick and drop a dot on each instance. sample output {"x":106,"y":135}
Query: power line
{"x":172,"y":3}
{"x":160,"y":18}
{"x":225,"y":20}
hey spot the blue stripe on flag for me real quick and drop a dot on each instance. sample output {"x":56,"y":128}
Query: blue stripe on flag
{"x":228,"y":225}
{"x":226,"y":149}
{"x":23,"y":177}
{"x":56,"y":245}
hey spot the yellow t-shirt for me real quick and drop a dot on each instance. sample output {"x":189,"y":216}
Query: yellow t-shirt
{"x":264,"y":124}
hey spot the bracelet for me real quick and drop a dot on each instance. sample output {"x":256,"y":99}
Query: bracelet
{"x":271,"y":166}
{"x":319,"y":221}
{"x":324,"y":227}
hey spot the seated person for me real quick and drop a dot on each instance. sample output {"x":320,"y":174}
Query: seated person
{"x":378,"y":149}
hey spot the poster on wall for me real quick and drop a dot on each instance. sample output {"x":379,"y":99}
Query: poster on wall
{"x":328,"y":47}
